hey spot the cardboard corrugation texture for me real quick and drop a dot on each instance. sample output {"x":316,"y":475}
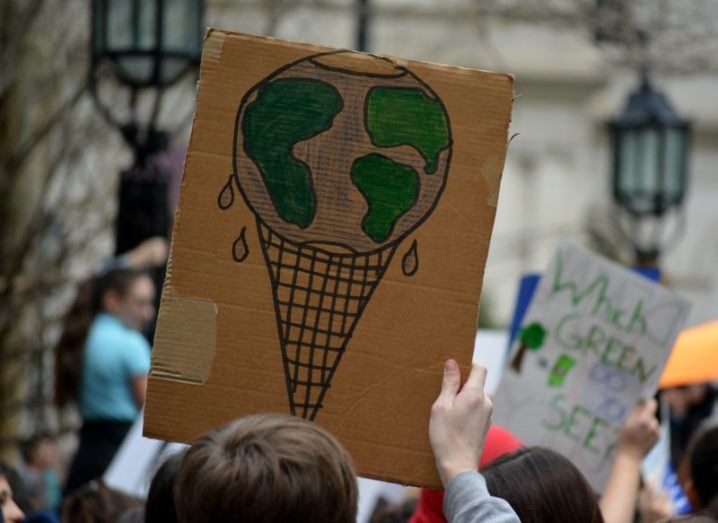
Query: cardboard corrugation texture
{"x":186,"y":339}
{"x":217,"y":353}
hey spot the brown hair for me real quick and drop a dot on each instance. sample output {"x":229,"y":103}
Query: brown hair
{"x":97,"y":503}
{"x":76,"y":324}
{"x":542,"y":486}
{"x":267,"y":468}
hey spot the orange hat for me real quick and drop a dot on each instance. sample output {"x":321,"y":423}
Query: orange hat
{"x":694,"y":358}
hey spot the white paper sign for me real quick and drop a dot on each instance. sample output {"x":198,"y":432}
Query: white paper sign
{"x":593,"y":343}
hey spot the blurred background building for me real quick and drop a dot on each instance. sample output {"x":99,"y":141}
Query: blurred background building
{"x":575,"y":63}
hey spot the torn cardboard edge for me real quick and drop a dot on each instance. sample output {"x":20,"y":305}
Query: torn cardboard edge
{"x":215,"y":39}
{"x":213,"y":44}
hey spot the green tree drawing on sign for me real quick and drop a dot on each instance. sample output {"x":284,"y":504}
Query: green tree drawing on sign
{"x":531,"y":337}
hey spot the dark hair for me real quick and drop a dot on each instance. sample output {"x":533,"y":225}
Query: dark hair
{"x":703,"y":464}
{"x":160,"y":506}
{"x":542,"y":487}
{"x":76,"y":324}
{"x":267,"y":468}
{"x":95,"y":502}
{"x":19,"y":492}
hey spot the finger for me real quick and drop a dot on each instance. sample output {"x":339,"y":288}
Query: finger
{"x":451,"y":381}
{"x":651,"y":407}
{"x":477,"y":377}
{"x":655,"y":427}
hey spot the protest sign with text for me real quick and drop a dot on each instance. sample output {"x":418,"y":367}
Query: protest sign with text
{"x":593,"y":343}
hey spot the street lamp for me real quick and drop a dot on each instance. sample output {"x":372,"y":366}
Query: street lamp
{"x":145,"y":45}
{"x":650,"y":159}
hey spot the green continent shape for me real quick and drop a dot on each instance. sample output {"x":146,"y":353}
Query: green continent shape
{"x":288,"y":111}
{"x":389,"y":188}
{"x":407,"y":116}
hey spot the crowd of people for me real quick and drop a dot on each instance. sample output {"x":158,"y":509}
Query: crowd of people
{"x":277,"y":468}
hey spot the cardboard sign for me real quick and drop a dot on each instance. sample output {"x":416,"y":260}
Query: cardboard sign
{"x":329,"y":246}
{"x":594,"y":342}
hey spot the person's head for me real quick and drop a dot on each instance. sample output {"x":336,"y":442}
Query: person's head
{"x":160,"y":505}
{"x":542,"y":486}
{"x":683,"y":398}
{"x":701,"y":484}
{"x":8,"y":507}
{"x":127,"y":294}
{"x":96,"y":503}
{"x":267,"y":468}
{"x":38,"y":451}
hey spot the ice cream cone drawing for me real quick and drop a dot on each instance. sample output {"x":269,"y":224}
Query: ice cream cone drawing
{"x":340,"y":156}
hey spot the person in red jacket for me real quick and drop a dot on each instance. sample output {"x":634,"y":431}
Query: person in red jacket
{"x":429,"y":508}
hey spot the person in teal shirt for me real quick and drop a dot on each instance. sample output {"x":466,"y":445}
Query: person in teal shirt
{"x":103,"y":363}
{"x":115,"y":356}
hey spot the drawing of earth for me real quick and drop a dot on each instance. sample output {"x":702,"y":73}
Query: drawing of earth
{"x":342,"y":150}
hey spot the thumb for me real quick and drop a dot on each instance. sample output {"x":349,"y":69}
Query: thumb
{"x":650,"y":407}
{"x":451,"y":382}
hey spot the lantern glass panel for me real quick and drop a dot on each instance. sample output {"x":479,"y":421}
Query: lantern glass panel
{"x":131,"y":25}
{"x":647,"y":182}
{"x":136,"y":70}
{"x":674,"y":162}
{"x":180,"y":29}
{"x":627,"y":161}
{"x":149,"y":43}
{"x":181,"y":36}
{"x":639,"y":179}
{"x":131,"y":39}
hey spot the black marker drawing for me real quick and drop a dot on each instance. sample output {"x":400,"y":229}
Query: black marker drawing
{"x":340,"y":156}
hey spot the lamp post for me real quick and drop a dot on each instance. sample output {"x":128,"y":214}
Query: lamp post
{"x":362,"y":35}
{"x":650,"y":161}
{"x":145,"y":46}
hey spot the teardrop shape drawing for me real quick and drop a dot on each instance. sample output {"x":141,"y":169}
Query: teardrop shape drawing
{"x":410,"y":261}
{"x":240,"y":250}
{"x":226,"y":195}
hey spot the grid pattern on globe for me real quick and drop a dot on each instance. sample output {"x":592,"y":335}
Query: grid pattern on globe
{"x":319,"y":298}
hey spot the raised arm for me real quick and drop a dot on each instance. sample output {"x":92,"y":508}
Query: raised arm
{"x":460,"y":418}
{"x":638,"y":435}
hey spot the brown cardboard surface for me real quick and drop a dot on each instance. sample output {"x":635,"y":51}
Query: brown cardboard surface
{"x":217,"y":353}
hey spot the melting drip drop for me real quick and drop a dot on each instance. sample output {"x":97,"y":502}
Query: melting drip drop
{"x":410,"y":261}
{"x":240,"y":250}
{"x":226,"y":195}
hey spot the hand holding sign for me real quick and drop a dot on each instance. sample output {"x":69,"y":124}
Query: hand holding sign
{"x":640,"y":431}
{"x":638,"y":435}
{"x":459,"y":421}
